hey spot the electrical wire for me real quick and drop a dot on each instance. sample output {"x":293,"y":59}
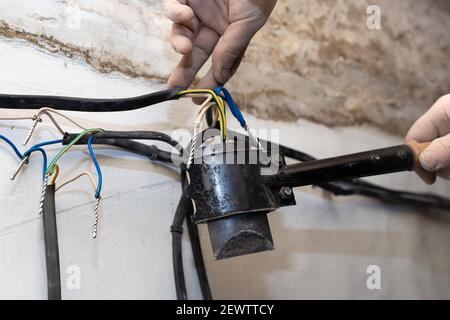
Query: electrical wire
{"x":177,"y":252}
{"x":51,"y":167}
{"x":218,"y":100}
{"x":71,"y":138}
{"x":44,"y":144}
{"x":44,"y":157}
{"x":97,"y":203}
{"x":196,"y":247}
{"x":152,"y":152}
{"x":71,"y":180}
{"x":97,"y":167}
{"x":97,"y":186}
{"x":197,"y":126}
{"x":29,"y":152}
{"x":51,"y":244}
{"x":8,"y":101}
{"x":13,"y":146}
{"x":141,"y":135}
{"x":55,"y":175}
{"x":47,"y":112}
{"x":226,"y":95}
{"x":183,"y":208}
{"x":228,"y":98}
{"x":184,"y":211}
{"x":24,"y":157}
{"x":38,"y":148}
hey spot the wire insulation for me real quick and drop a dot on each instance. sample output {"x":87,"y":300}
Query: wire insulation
{"x":51,"y":167}
{"x":218,"y":100}
{"x":84,"y":104}
{"x":226,"y":95}
{"x":86,"y":173}
{"x":97,"y":167}
{"x":13,"y":146}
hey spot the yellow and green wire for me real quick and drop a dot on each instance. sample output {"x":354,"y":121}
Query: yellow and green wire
{"x":51,"y":166}
{"x":220,"y":106}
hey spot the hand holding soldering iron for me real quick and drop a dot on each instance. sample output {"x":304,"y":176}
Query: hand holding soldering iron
{"x":434,"y":125}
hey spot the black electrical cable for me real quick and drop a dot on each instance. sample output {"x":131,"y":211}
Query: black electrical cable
{"x":198,"y":259}
{"x":150,"y":151}
{"x":8,"y":101}
{"x":197,"y":249}
{"x":128,"y":135}
{"x":51,"y":244}
{"x":184,"y":206}
{"x":185,"y":211}
{"x":363,"y":188}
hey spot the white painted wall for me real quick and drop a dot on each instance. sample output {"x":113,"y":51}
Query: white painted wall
{"x":323,"y":245}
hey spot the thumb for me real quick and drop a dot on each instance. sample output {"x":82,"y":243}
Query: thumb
{"x":230,"y":50}
{"x":437,"y":156}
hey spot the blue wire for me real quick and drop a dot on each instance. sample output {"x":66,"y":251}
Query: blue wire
{"x":44,"y":157}
{"x":13,"y":146}
{"x":33,"y":149}
{"x":47,"y":143}
{"x":97,"y":167}
{"x":226,"y":95}
{"x":37,"y":147}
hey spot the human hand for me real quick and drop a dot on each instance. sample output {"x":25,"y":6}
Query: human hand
{"x":218,"y":28}
{"x":434,"y":126}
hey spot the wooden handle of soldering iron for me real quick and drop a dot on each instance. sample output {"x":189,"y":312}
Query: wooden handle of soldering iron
{"x":418,"y":148}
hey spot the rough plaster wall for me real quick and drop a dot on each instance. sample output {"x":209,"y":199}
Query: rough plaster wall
{"x":127,"y":36}
{"x":315,"y":59}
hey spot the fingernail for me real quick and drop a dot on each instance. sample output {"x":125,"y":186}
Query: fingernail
{"x":429,"y":161}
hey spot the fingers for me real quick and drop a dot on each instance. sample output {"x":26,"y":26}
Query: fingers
{"x":230,"y":49}
{"x":181,"y":39}
{"x":207,"y":81}
{"x":434,"y":127}
{"x":184,"y":27}
{"x":436,"y":157}
{"x":211,"y":14}
{"x":178,"y":11}
{"x":203,"y":45}
{"x":433,"y":124}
